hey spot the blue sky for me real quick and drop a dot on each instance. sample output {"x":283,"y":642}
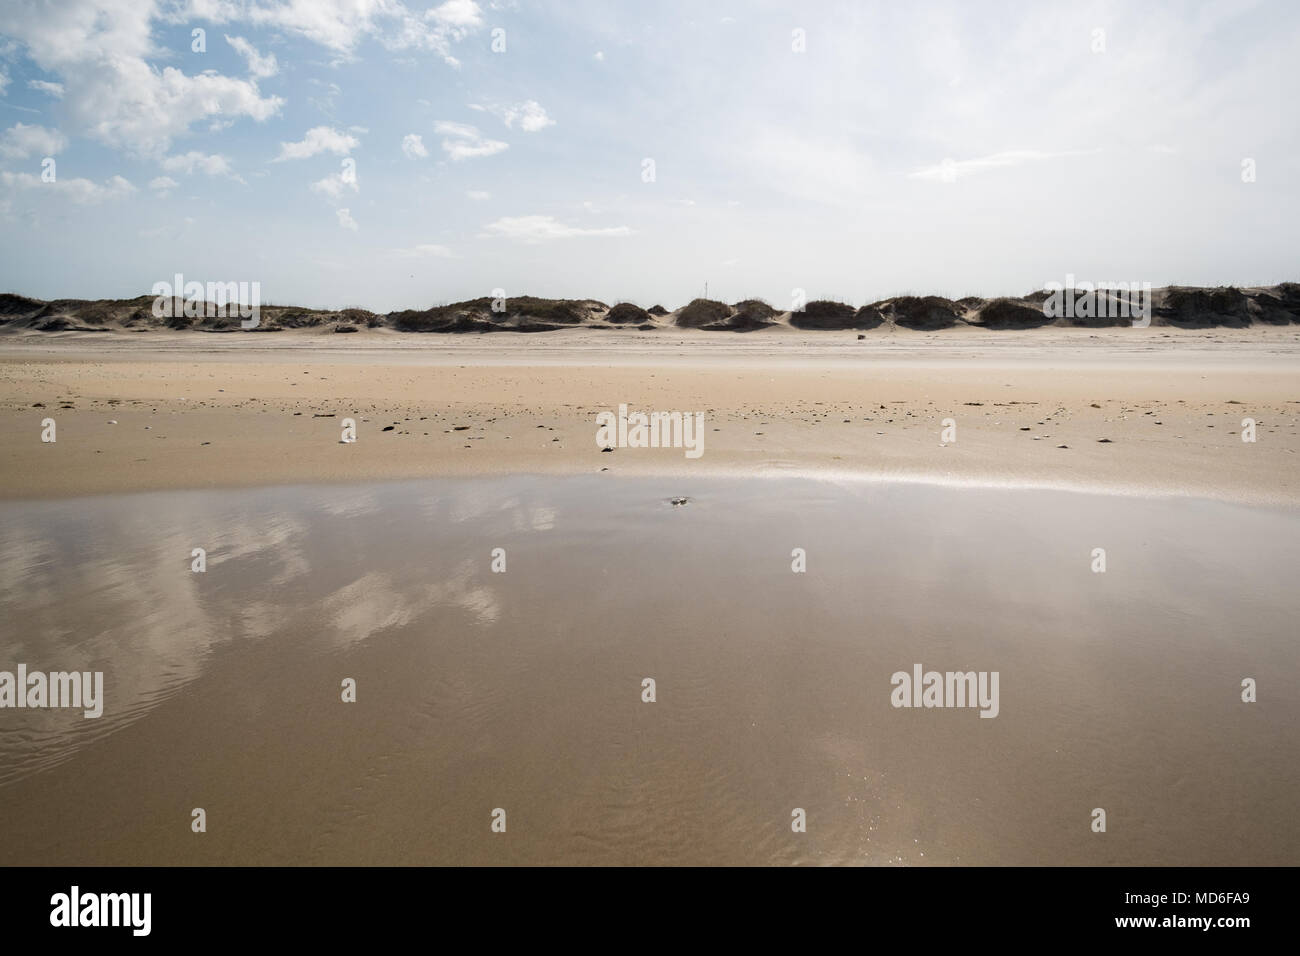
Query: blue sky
{"x":956,"y":148}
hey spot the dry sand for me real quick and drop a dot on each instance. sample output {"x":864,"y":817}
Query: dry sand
{"x":196,"y":411}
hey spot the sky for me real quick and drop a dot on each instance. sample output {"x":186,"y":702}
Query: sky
{"x":395,"y":154}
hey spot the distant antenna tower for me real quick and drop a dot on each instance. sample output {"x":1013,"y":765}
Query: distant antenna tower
{"x":706,"y":288}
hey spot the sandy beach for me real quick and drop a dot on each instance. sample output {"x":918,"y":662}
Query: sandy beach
{"x":373,"y":561}
{"x":1155,"y":411}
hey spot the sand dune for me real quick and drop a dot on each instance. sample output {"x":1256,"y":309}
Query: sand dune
{"x":1178,"y":307}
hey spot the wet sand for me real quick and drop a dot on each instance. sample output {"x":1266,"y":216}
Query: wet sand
{"x":522,"y":690}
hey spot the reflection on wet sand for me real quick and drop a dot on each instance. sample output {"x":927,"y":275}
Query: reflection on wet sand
{"x":522,"y":689}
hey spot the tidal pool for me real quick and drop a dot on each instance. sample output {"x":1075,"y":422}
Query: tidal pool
{"x":524,"y":690}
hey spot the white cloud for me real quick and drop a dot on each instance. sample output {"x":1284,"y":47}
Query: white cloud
{"x":448,"y":128}
{"x":453,"y":20}
{"x":336,"y":24}
{"x":44,"y":86}
{"x":258,"y":65}
{"x":599,"y":57}
{"x":413,"y":146}
{"x":319,"y":139}
{"x":530,"y":115}
{"x":340,"y":25}
{"x":345,"y":219}
{"x":336,"y":185}
{"x":325,"y":103}
{"x":425,"y":251}
{"x":163,"y":184}
{"x":195,"y":161}
{"x":478,"y":194}
{"x":461,"y":141}
{"x":950,"y":170}
{"x":101,"y":52}
{"x":535,"y":229}
{"x":20,"y":141}
{"x":462,"y":14}
{"x":82,"y":191}
{"x":4,"y":81}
